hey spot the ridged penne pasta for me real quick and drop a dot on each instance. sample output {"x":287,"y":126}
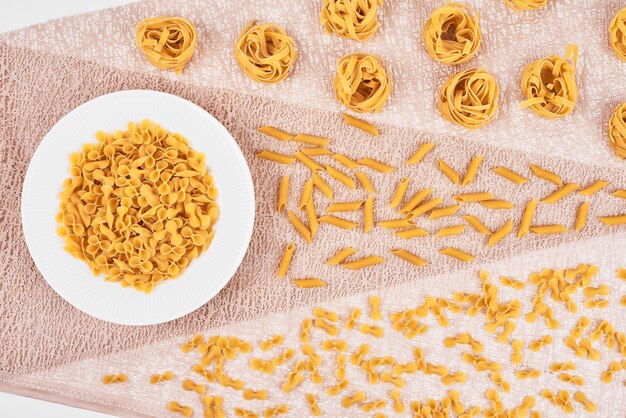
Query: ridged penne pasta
{"x":498,"y":235}
{"x":474,"y":197}
{"x":368,"y":214}
{"x":376,"y":165}
{"x":410,"y":257}
{"x":276,"y":157}
{"x":581,"y":216}
{"x":510,"y":175}
{"x":548,"y":229}
{"x":527,"y":218}
{"x":283,"y":194}
{"x":315,"y":151}
{"x":619,"y":193}
{"x":309,"y":283}
{"x":341,"y":256}
{"x":299,"y":226}
{"x":415,"y":200}
{"x":307,"y":161}
{"x":345,"y":206}
{"x":345,"y":161}
{"x":613,"y":220}
{"x":275,"y":133}
{"x":340,"y":176}
{"x":412,"y":233}
{"x":443,"y":212}
{"x":396,"y":224}
{"x":398,"y":195}
{"x":285,"y":260}
{"x":450,"y":231}
{"x":472,"y":170}
{"x":497,"y":204}
{"x":594,"y":188}
{"x":421,"y":152}
{"x":360,"y":124}
{"x":458,"y":254}
{"x":311,"y":140}
{"x":449,"y":172}
{"x":338,"y":222}
{"x":307,"y":192}
{"x":546,"y":175}
{"x":363,"y":262}
{"x":310,"y":213}
{"x":424,"y":207}
{"x":561,"y":193}
{"x":365,"y":182}
{"x":322,"y":186}
{"x":477,"y":224}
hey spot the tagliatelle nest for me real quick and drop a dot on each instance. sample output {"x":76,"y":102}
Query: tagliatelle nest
{"x":352,"y":19}
{"x":617,"y":33}
{"x":469,"y":98}
{"x":452,"y":34}
{"x":523,"y":5}
{"x":265,"y":52}
{"x":549,"y":85}
{"x":167,"y":41}
{"x":617,"y":131}
{"x":362,"y":83}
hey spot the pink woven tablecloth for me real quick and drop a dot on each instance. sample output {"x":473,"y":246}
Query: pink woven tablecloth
{"x":50,"y":350}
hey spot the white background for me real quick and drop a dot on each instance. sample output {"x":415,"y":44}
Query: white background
{"x":17,"y":14}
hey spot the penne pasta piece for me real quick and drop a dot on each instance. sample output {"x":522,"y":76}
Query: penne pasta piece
{"x":345,"y":206}
{"x":619,"y":193}
{"x":309,"y":283}
{"x":285,"y":260}
{"x":340,"y":176}
{"x":398,"y":195}
{"x":510,"y":175}
{"x":307,"y":192}
{"x":412,"y":233}
{"x":546,"y":175}
{"x":283,"y":194}
{"x":410,"y":257}
{"x":299,"y":226}
{"x":415,"y":200}
{"x":473,"y":197}
{"x":613,"y":220}
{"x":360,"y":124}
{"x":443,"y":212}
{"x":338,"y":222}
{"x":365,"y":182}
{"x":315,"y":151}
{"x":275,"y":133}
{"x":368,"y":214}
{"x":376,"y":165}
{"x":450,"y":231}
{"x":477,"y":224}
{"x":458,"y":254}
{"x":310,"y":213}
{"x":345,"y":161}
{"x":341,"y":256}
{"x":421,"y":152}
{"x":527,"y":218}
{"x":276,"y":157}
{"x":472,"y":170}
{"x":307,"y":161}
{"x":594,"y":188}
{"x":311,"y":140}
{"x":548,"y":229}
{"x":423,"y":208}
{"x":323,"y":186}
{"x":497,"y":204}
{"x":448,"y":172}
{"x":363,"y":262}
{"x":498,"y":235}
{"x":581,"y":216}
{"x":396,"y":224}
{"x":561,"y":193}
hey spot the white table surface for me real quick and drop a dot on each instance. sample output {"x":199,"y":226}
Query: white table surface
{"x":18,"y":14}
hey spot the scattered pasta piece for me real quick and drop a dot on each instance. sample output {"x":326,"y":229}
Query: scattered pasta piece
{"x":562,"y":367}
{"x":360,"y":124}
{"x":275,"y":133}
{"x":168,"y":42}
{"x":561,"y":193}
{"x":546,"y":175}
{"x":619,"y":193}
{"x":244,"y":413}
{"x":424,"y":208}
{"x":338,"y":222}
{"x":249,"y":394}
{"x":515,"y":284}
{"x":522,"y":5}
{"x":410,"y":257}
{"x":473,"y":197}
{"x":548,"y":229}
{"x":374,"y":303}
{"x":276,"y":157}
{"x":328,"y":315}
{"x":570,"y":378}
{"x":373,"y":405}
{"x":497,"y":204}
{"x":345,"y":161}
{"x":349,"y":401}
{"x":308,"y":162}
{"x":607,"y":375}
{"x":340,"y":176}
{"x":365,"y":182}
{"x":313,"y":406}
{"x":339,"y":345}
{"x":527,"y":374}
{"x":272,"y":342}
{"x":343,"y":254}
{"x":362,"y":83}
{"x":450,"y":231}
{"x":516,"y":356}
{"x":415,"y":200}
{"x":472,"y":170}
{"x":412,"y":233}
{"x":192,"y":344}
{"x":368,"y":214}
{"x":594,"y":188}
{"x":158,"y":378}
{"x":305,"y":330}
{"x":498,"y":235}
{"x":185,"y":411}
{"x":510,"y":175}
{"x":330,"y":329}
{"x":527,"y":218}
{"x":352,"y":20}
{"x":443,"y":212}
{"x":285,"y":260}
{"x":309,"y":139}
{"x":278,"y":410}
{"x":458,"y":254}
{"x":376,"y":165}
{"x":354,"y":315}
{"x":109,"y":379}
{"x":396,"y":224}
{"x":322,"y":186}
{"x":338,"y":388}
{"x":299,"y":226}
{"x":309,"y":283}
{"x":537,"y":345}
{"x":581,"y":216}
{"x":363,"y":262}
{"x":449,"y":172}
{"x":345,"y":206}
{"x":398,"y":195}
{"x":617,"y":34}
{"x":477,"y":224}
{"x":420,"y":153}
{"x":283,"y":194}
{"x":613,"y":220}
{"x":190,"y":385}
{"x":398,"y":406}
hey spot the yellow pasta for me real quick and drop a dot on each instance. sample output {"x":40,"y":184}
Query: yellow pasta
{"x":276,"y":157}
{"x":522,"y":5}
{"x":472,"y":170}
{"x":548,"y":229}
{"x":617,"y":123}
{"x":341,"y":256}
{"x":313,"y":406}
{"x":328,"y":315}
{"x":365,"y":182}
{"x":360,"y":124}
{"x":443,"y":212}
{"x":424,"y":208}
{"x":619,"y":193}
{"x":338,"y":222}
{"x":315,"y":151}
{"x":474,"y":197}
{"x":312,"y":216}
{"x":345,"y":161}
{"x":613,"y":220}
{"x":410,"y":257}
{"x":322,"y":186}
{"x":285,"y":260}
{"x":368,"y":214}
{"x":450,"y":231}
{"x":374,"y":303}
{"x":594,"y":188}
{"x":375,"y":331}
{"x":587,"y":404}
{"x":363,"y":262}
{"x":546,"y":175}
{"x":497,"y":204}
{"x":449,"y":172}
{"x":396,"y":224}
{"x":376,"y":165}
{"x":477,"y":224}
{"x":412,"y":233}
{"x":244,"y":413}
{"x":415,"y":200}
{"x":309,"y":283}
{"x":318,"y":141}
{"x":307,"y":161}
{"x":299,"y":226}
{"x":452,"y":34}
{"x":561,"y":193}
{"x":458,"y":254}
{"x":527,"y":218}
{"x":168,"y":42}
{"x":283,"y":194}
{"x":174,"y":406}
{"x":340,"y":176}
{"x":190,"y":385}
{"x":362,"y":83}
{"x":345,"y":206}
{"x":307,"y":190}
{"x":158,"y":378}
{"x":249,"y":394}
{"x":108,"y":379}
{"x":581,"y":216}
{"x":278,"y":410}
{"x":515,"y":284}
{"x":510,"y":175}
{"x":265,"y":52}
{"x":617,"y":34}
{"x":275,"y":133}
{"x":498,"y":235}
{"x":398,"y":195}
{"x":420,"y":153}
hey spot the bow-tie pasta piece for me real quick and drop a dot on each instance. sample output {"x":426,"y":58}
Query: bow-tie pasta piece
{"x":469,"y":98}
{"x":452,"y":34}
{"x":167,"y":41}
{"x":522,"y":5}
{"x":352,"y":19}
{"x":362,"y":83}
{"x":617,"y":131}
{"x":265,"y":52}
{"x":617,"y":33}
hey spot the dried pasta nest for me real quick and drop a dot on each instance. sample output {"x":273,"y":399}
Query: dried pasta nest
{"x":469,"y":98}
{"x":452,"y":34}
{"x":617,"y":131}
{"x":265,"y":52}
{"x":362,"y":83}
{"x":167,"y":41}
{"x":352,"y":19}
{"x":523,"y":5}
{"x":549,"y":85}
{"x":138,"y":206}
{"x":617,"y":33}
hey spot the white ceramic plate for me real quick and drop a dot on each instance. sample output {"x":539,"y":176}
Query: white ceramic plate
{"x":205,"y":276}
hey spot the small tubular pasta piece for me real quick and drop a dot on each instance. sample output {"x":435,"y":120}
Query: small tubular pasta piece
{"x":443,"y":212}
{"x":285,"y":260}
{"x":561,"y":193}
{"x":619,"y":193}
{"x":366,"y":184}
{"x":307,"y":161}
{"x":527,"y":218}
{"x":420,"y":153}
{"x":276,"y":157}
{"x":299,"y":226}
{"x":345,"y":206}
{"x":283,"y":194}
{"x":158,"y":378}
{"x":354,"y":315}
{"x":450,"y":231}
{"x":315,"y":151}
{"x":396,"y":224}
{"x":362,"y":83}
{"x":341,"y":256}
{"x":309,"y":283}
{"x":373,"y":330}
{"x":549,"y":229}
{"x":613,"y":220}
{"x":607,"y":375}
{"x":376,"y":165}
{"x":340,"y":176}
{"x":497,"y":204}
{"x":474,"y":197}
{"x":318,"y":141}
{"x":546,"y":175}
{"x":249,"y":394}
{"x":307,"y":192}
{"x":412,"y":233}
{"x":363,"y":262}
{"x":415,"y":200}
{"x":313,"y":406}
{"x":322,"y":186}
{"x":449,"y":379}
{"x":185,"y":411}
{"x":312,"y":216}
{"x":472,"y":170}
{"x":345,"y":161}
{"x":108,"y":379}
{"x":587,"y":404}
{"x":424,"y":208}
{"x":594,"y":188}
{"x":338,"y":222}
{"x":449,"y":172}
{"x":510,"y":175}
{"x":477,"y":224}
{"x":359,"y":123}
{"x":398,"y":195}
{"x":368,"y":214}
{"x":168,"y":42}
{"x":275,"y":133}
{"x":374,"y":303}
{"x":410,"y":257}
{"x":581,"y":216}
{"x":458,"y":254}
{"x":498,"y":235}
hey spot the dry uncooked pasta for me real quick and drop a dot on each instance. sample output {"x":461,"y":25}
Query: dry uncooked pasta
{"x":617,"y":129}
{"x":362,"y":83}
{"x":469,"y":98}
{"x":265,"y":52}
{"x":139,"y":205}
{"x":361,"y":124}
{"x":352,"y":19}
{"x":285,"y":260}
{"x":167,"y":41}
{"x":522,"y":5}
{"x":617,"y":34}
{"x":549,"y":85}
{"x":452,"y":34}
